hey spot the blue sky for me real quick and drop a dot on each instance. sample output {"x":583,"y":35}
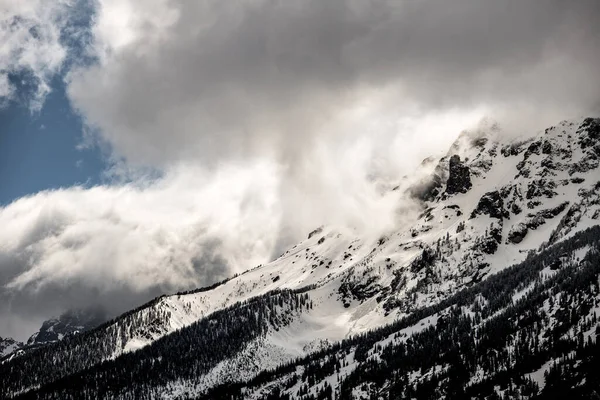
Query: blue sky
{"x":40,"y":150}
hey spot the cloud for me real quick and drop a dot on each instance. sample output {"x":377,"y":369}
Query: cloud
{"x":128,"y":242}
{"x":119,"y":245}
{"x":216,"y":80}
{"x":30,"y":37}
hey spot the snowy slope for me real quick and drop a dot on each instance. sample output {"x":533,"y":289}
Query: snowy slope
{"x":483,"y":339}
{"x":548,"y":184}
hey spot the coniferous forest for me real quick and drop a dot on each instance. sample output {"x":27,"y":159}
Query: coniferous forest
{"x":488,"y":340}
{"x":484,"y":332}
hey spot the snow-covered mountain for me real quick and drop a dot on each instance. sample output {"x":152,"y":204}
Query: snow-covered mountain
{"x":488,"y":204}
{"x":8,"y":345}
{"x":71,"y":322}
{"x":67,"y":324}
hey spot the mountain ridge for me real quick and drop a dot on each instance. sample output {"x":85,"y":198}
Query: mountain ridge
{"x":487,"y":205}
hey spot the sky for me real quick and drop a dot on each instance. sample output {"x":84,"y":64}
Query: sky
{"x":160,"y":146}
{"x":44,"y":150}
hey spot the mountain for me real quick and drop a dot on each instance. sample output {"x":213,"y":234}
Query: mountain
{"x":8,"y":345}
{"x":69,"y":323}
{"x":489,"y":283}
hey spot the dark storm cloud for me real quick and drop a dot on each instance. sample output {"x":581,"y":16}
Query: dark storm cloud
{"x":225,"y":79}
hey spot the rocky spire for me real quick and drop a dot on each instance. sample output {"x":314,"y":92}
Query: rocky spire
{"x":459,"y":178}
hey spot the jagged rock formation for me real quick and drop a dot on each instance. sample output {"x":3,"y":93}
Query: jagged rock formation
{"x":491,"y":204}
{"x":69,"y":323}
{"x":459,"y":176}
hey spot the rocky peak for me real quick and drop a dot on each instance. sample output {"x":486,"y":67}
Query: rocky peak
{"x":69,"y":323}
{"x":486,"y":132}
{"x":8,"y":345}
{"x":589,"y":136}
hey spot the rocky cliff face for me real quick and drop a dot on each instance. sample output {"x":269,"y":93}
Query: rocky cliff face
{"x":459,"y":176}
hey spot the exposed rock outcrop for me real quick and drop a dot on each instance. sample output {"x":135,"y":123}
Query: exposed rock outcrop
{"x":69,"y":323}
{"x":517,"y":233}
{"x":533,"y":221}
{"x":315,"y":232}
{"x":459,"y":176}
{"x":490,"y":204}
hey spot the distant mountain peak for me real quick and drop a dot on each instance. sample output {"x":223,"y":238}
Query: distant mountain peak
{"x":69,"y":323}
{"x":8,"y":345}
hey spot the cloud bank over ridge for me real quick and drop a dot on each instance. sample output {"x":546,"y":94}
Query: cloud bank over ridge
{"x":264,"y":119}
{"x":217,"y":80}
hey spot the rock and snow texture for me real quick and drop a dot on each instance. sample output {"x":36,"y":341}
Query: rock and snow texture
{"x":486,"y":205}
{"x":69,"y":323}
{"x":8,"y":345}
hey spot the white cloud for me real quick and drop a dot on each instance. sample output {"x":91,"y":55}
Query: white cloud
{"x":141,"y":236}
{"x":118,"y":245}
{"x":122,"y":25}
{"x":30,"y":41}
